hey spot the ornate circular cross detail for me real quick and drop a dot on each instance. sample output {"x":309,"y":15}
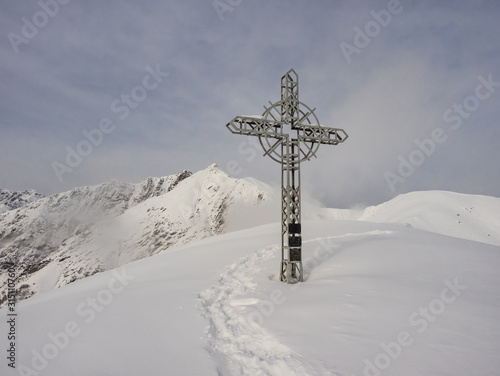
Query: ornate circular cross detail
{"x":294,"y":131}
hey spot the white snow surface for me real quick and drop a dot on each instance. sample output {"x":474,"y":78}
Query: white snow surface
{"x":398,"y":289}
{"x":459,"y":215}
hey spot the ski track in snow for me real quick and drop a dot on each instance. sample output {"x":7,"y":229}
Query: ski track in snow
{"x":239,"y":346}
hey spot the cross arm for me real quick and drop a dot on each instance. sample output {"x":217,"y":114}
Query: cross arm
{"x":322,"y":135}
{"x":255,"y":126}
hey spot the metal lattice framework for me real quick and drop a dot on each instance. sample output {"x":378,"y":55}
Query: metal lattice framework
{"x":289,"y":149}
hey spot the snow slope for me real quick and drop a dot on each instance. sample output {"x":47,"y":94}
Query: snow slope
{"x":379,"y":299}
{"x":472,"y":217}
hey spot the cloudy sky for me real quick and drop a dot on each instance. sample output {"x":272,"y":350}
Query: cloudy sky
{"x":95,"y":90}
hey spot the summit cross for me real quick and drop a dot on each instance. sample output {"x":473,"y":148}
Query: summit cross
{"x":289,"y":133}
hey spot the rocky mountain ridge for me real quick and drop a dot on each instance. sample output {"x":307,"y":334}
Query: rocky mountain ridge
{"x":58,"y":239}
{"x":10,"y":200}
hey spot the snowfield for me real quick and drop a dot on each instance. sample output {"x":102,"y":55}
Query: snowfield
{"x":405,"y":288}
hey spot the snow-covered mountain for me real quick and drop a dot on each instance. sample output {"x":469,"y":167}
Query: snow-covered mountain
{"x":381,"y":296}
{"x":62,"y":238}
{"x":10,"y":200}
{"x":465,"y":216}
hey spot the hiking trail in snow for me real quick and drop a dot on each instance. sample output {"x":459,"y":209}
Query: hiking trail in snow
{"x":239,"y":345}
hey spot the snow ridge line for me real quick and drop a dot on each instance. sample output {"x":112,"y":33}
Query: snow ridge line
{"x":241,"y":347}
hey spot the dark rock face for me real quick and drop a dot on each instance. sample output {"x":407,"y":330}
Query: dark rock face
{"x":10,"y":200}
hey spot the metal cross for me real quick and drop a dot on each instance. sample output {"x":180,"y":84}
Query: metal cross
{"x":289,"y":149}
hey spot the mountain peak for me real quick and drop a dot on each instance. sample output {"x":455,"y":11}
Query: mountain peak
{"x":75,"y":234}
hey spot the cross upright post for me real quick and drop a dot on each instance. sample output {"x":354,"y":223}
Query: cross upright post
{"x":291,"y":239}
{"x":289,"y":149}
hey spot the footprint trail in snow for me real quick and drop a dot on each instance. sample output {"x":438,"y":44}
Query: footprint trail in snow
{"x":240,"y":346}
